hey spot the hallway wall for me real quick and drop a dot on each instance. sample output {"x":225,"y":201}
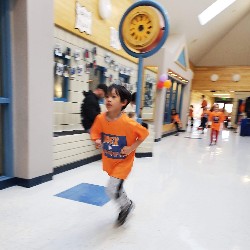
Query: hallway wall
{"x":32,"y":42}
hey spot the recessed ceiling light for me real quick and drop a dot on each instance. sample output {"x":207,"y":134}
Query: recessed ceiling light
{"x":213,"y":10}
{"x":221,"y":94}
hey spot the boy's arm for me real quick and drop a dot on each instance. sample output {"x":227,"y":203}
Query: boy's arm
{"x":95,"y":133}
{"x":141,"y":134}
{"x":129,"y":149}
{"x":98,"y":143}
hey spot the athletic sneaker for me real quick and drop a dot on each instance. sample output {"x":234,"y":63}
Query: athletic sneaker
{"x":123,"y":215}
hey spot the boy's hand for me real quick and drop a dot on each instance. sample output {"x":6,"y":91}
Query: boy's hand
{"x":98,"y":143}
{"x":126,"y":150}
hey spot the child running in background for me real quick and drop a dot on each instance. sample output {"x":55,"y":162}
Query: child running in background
{"x":216,"y":117}
{"x":175,"y":119}
{"x":203,"y":102}
{"x":204,"y":118}
{"x":118,"y":136}
{"x":191,"y":115}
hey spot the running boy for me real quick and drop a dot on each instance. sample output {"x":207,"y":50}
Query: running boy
{"x":216,"y":117}
{"x":118,"y":136}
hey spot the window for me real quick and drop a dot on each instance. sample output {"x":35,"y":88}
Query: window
{"x":173,"y":100}
{"x":61,"y":78}
{"x":97,"y":76}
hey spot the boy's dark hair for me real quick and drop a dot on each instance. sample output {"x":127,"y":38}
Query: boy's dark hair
{"x":122,"y":92}
{"x":133,"y":97}
{"x":173,"y":111}
{"x":103,"y":87}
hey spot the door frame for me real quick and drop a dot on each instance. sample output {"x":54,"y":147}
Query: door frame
{"x":6,"y":98}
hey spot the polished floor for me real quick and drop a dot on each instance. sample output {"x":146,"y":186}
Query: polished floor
{"x":189,"y":196}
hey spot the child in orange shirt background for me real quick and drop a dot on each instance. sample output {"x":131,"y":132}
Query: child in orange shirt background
{"x":216,"y":117}
{"x":175,"y":119}
{"x":191,"y":115}
{"x":118,"y":136}
{"x":204,"y":118}
{"x":203,"y":102}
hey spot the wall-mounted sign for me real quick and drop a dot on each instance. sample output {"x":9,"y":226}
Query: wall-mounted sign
{"x":83,"y":19}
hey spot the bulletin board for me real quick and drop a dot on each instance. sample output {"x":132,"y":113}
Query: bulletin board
{"x":65,"y":18}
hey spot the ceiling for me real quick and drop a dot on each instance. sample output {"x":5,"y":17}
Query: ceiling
{"x":223,"y":41}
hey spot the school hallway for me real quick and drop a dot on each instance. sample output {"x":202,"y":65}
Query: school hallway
{"x":188,"y":196}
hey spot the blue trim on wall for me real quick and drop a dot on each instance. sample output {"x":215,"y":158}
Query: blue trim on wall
{"x":7,"y":88}
{"x":60,"y":99}
{"x":28,"y":183}
{"x":6,"y":182}
{"x":4,"y":100}
{"x":170,"y":105}
{"x":176,"y":95}
{"x":181,"y":99}
{"x":139,"y":87}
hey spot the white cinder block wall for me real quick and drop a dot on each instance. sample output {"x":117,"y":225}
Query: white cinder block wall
{"x":72,"y":148}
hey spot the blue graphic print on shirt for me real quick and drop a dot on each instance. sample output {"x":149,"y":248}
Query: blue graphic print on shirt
{"x":112,"y":145}
{"x":216,"y":119}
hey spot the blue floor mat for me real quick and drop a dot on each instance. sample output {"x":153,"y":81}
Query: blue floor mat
{"x":87,"y":193}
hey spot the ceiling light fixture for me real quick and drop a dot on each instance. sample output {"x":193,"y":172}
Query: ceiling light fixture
{"x":213,"y":10}
{"x":214,"y":77}
{"x":236,"y":77}
{"x":221,"y":94}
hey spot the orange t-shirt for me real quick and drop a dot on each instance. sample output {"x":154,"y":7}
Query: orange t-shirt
{"x":175,"y":118}
{"x":204,"y":103}
{"x":191,"y":112}
{"x":205,"y":114}
{"x":216,"y":118}
{"x":115,"y":135}
{"x":242,"y":107}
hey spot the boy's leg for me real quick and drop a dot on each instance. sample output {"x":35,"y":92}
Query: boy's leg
{"x":216,"y":135}
{"x":212,"y":134}
{"x":116,"y":192}
{"x":202,"y":123}
{"x":177,"y":128}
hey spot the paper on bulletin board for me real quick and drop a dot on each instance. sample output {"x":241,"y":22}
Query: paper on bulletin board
{"x":114,"y":38}
{"x":83,"y":19}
